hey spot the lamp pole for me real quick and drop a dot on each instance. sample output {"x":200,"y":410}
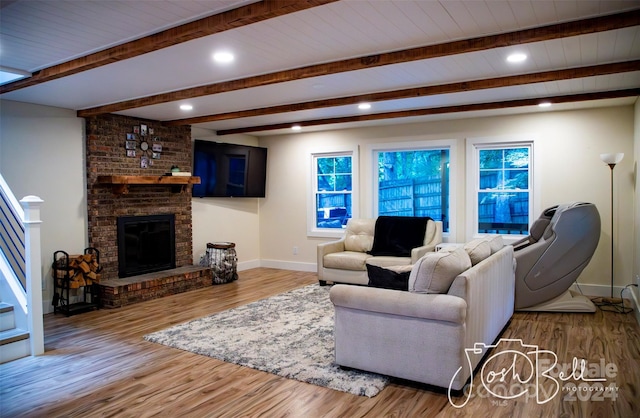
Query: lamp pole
{"x":611,"y":166}
{"x":611,"y":160}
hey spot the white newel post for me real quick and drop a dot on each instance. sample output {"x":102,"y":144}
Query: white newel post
{"x":33,"y":271}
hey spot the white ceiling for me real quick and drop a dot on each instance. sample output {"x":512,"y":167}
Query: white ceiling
{"x":35,"y":35}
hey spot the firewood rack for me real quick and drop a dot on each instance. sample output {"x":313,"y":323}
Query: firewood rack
{"x":88,"y":294}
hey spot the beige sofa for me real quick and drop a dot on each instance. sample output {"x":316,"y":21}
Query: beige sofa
{"x":419,"y":335}
{"x":345,"y":260}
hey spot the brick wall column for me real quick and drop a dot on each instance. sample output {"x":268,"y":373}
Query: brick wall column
{"x":107,"y":155}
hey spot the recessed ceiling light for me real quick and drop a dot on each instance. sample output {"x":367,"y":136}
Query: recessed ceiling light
{"x":186,"y":107}
{"x":223,"y":57}
{"x":296,"y":127}
{"x":517,"y":57}
{"x":364,"y":106}
{"x":544,"y":104}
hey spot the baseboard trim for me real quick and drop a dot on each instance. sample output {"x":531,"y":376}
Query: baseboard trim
{"x":599,"y":290}
{"x":247,"y":265}
{"x":636,"y":305}
{"x":277,"y":264}
{"x":289,"y":265}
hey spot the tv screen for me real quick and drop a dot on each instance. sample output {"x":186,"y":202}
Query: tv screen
{"x":229,"y":170}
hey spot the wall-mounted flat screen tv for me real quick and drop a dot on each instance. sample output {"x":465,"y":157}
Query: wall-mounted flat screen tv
{"x":229,"y":170}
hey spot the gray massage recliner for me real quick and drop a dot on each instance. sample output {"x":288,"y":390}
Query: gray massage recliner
{"x":560,"y":245}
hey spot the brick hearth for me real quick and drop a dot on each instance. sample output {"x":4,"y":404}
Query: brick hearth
{"x":115,"y":293}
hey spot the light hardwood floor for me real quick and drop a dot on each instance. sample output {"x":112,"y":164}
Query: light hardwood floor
{"x":97,"y":364}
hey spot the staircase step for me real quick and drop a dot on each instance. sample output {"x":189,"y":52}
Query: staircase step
{"x":7,"y":317}
{"x":13,"y":335}
{"x":14,"y":344}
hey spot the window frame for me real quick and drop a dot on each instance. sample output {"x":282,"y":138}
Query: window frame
{"x":312,"y":229}
{"x":419,"y":144}
{"x":474,"y":145}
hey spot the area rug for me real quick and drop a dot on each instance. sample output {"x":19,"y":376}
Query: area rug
{"x":290,"y":335}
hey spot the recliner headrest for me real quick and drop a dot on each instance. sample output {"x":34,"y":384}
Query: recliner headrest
{"x":537,"y":229}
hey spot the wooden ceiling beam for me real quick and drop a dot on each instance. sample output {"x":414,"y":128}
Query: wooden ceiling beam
{"x":442,"y":110}
{"x":463,"y":86}
{"x":543,"y":33}
{"x":220,"y":22}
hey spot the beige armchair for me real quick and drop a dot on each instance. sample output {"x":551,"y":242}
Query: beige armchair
{"x":345,"y":260}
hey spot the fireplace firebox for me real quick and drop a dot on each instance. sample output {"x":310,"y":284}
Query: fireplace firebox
{"x":146,"y":244}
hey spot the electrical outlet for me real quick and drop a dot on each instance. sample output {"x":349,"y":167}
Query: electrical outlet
{"x":295,"y":250}
{"x":638,"y":280}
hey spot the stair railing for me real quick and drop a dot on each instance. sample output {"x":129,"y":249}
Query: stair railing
{"x":21,"y":248}
{"x":12,"y":232}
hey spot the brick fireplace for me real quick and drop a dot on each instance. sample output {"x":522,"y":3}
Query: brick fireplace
{"x":109,"y":154}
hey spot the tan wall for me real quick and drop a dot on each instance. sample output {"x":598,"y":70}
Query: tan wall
{"x":42,"y":153}
{"x":569,"y":143}
{"x":234,"y":220}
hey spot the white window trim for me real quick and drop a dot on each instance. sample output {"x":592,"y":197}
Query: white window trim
{"x":312,"y":229}
{"x":419,"y":143}
{"x":472,"y":180}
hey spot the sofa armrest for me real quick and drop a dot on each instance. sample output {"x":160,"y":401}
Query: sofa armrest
{"x":324,"y":249}
{"x":435,"y":307}
{"x":329,"y":247}
{"x":489,"y":289}
{"x":436,"y":236}
{"x":419,"y":252}
{"x":433,"y":237}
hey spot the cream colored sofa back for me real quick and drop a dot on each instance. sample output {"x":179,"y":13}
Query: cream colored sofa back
{"x":360,"y":232}
{"x":359,"y":235}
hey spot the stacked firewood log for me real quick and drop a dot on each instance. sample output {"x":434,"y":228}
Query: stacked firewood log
{"x":82,"y":270}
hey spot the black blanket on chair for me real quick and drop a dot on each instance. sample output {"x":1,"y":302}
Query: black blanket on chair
{"x":397,"y":235}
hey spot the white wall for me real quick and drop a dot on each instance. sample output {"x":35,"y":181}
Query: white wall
{"x":569,"y":143}
{"x":234,"y":220}
{"x":42,"y":153}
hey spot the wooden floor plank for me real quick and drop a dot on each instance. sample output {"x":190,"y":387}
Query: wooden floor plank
{"x":97,"y":364}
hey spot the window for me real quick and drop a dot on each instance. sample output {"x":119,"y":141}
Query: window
{"x":501,"y":176}
{"x":333,"y":194}
{"x":414,"y":181}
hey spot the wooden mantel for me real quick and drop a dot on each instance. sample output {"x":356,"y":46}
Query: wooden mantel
{"x":121,"y":183}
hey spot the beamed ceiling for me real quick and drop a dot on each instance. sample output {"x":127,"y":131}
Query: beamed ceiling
{"x":311,"y":62}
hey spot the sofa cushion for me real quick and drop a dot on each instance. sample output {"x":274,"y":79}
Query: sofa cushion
{"x":495,"y":242}
{"x":395,"y":277}
{"x":435,"y":272}
{"x":359,"y":235}
{"x":478,"y":249}
{"x":389,"y":262}
{"x":346,"y":260}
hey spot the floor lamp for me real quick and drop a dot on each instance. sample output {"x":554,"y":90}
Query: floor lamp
{"x":611,"y":160}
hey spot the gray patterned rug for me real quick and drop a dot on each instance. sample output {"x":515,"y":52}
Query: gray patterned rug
{"x":290,"y":335}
